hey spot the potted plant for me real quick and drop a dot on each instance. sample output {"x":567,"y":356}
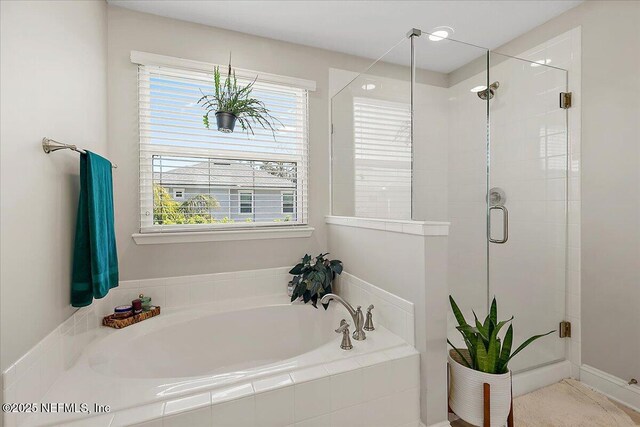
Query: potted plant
{"x":313,"y":277}
{"x":485,"y":360}
{"x":231,"y":102}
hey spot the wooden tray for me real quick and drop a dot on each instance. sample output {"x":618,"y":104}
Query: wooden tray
{"x":123,"y":323}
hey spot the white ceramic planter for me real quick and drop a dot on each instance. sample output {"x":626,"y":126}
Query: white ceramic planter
{"x":466,"y":397}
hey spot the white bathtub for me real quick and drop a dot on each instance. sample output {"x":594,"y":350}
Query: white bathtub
{"x":191,"y":360}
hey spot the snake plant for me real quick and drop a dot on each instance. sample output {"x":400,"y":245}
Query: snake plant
{"x":486,"y":352}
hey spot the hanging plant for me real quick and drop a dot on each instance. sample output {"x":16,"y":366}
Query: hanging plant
{"x":231,"y":102}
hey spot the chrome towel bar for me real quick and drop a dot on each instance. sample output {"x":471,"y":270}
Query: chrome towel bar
{"x":50,"y":145}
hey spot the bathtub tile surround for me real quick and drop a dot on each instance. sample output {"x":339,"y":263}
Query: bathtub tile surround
{"x":395,"y":313}
{"x":29,"y":378}
{"x":376,"y":373}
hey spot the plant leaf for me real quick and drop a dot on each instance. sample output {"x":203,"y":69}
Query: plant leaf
{"x":505,"y":352}
{"x":464,"y":359}
{"x":481,"y":355}
{"x":457,"y":313}
{"x":493,"y":312}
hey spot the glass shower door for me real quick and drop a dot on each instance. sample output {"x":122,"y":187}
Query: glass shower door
{"x":527,"y":202}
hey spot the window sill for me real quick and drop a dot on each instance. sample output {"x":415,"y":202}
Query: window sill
{"x":221,"y":235}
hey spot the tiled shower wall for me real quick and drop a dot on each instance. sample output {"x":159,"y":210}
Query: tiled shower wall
{"x":529,"y":161}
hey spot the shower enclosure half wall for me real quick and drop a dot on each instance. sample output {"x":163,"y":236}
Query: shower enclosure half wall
{"x":442,"y":130}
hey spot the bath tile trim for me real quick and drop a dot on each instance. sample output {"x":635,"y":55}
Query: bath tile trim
{"x":418,"y":228}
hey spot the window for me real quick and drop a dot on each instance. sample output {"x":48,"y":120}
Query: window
{"x":382,"y":135}
{"x":178,"y":193}
{"x":193,"y":178}
{"x":245,"y":202}
{"x":287,"y":202}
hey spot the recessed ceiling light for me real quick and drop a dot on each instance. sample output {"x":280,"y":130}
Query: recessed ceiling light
{"x":368,"y":86}
{"x":478,"y":89}
{"x":440,"y":33}
{"x":540,"y":62}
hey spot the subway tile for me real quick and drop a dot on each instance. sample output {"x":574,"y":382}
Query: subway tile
{"x":309,"y":374}
{"x":185,"y":404}
{"x":351,"y":416}
{"x":346,"y":389}
{"x":235,"y":413}
{"x":232,"y":393}
{"x":198,"y":418}
{"x":275,"y":408}
{"x":375,"y":381}
{"x":321,"y":421}
{"x":138,"y":414}
{"x":379,"y":412}
{"x":201,"y":293}
{"x":272,"y":383}
{"x":309,"y":401}
{"x":177,"y":296}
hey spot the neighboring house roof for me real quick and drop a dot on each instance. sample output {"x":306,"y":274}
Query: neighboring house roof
{"x":218,"y":174}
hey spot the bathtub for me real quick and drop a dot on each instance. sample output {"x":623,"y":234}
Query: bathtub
{"x":254,"y":353}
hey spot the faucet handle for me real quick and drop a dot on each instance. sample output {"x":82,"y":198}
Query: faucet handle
{"x":344,"y":326}
{"x":344,"y":330}
{"x":368,"y":324}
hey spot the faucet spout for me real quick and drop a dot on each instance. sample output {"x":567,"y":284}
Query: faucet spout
{"x":328,"y":297}
{"x":356,"y":315}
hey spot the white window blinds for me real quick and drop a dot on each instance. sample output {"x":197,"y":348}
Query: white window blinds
{"x":382,"y":135}
{"x":225,"y":179}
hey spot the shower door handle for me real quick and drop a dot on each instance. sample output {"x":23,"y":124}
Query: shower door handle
{"x":505,"y":224}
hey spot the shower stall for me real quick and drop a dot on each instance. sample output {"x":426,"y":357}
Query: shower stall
{"x":441,"y":130}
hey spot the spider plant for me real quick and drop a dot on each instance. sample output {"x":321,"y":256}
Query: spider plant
{"x":486,"y":352}
{"x":231,"y":98}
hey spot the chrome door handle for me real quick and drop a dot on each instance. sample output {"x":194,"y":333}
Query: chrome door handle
{"x":505,"y":225}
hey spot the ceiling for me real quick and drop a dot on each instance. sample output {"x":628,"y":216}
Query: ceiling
{"x":368,"y":28}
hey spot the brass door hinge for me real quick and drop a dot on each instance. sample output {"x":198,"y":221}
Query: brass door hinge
{"x":565,"y":100}
{"x":565,"y":329}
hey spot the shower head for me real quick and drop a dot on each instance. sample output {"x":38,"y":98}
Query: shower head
{"x":490,"y":91}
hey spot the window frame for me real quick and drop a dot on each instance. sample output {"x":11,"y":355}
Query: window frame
{"x":301,"y":160}
{"x":253,"y":202}
{"x":293,"y":202}
{"x":176,"y":190}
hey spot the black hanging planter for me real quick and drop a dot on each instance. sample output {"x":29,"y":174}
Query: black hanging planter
{"x":226,"y":121}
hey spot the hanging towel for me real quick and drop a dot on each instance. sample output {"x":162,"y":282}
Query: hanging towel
{"x":95,"y":260}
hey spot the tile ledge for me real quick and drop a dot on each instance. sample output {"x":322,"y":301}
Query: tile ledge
{"x":420,"y":228}
{"x":221,"y":235}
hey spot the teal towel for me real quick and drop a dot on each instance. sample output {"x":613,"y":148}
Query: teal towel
{"x":95,"y":260}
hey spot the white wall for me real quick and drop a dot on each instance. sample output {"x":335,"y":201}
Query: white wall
{"x":53,"y":84}
{"x":130,"y":30}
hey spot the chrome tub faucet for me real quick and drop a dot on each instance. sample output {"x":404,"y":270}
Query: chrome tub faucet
{"x":356,"y":315}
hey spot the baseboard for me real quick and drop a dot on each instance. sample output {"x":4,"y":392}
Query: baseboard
{"x":528,"y":381}
{"x":611,"y":386}
{"x":440,"y":424}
